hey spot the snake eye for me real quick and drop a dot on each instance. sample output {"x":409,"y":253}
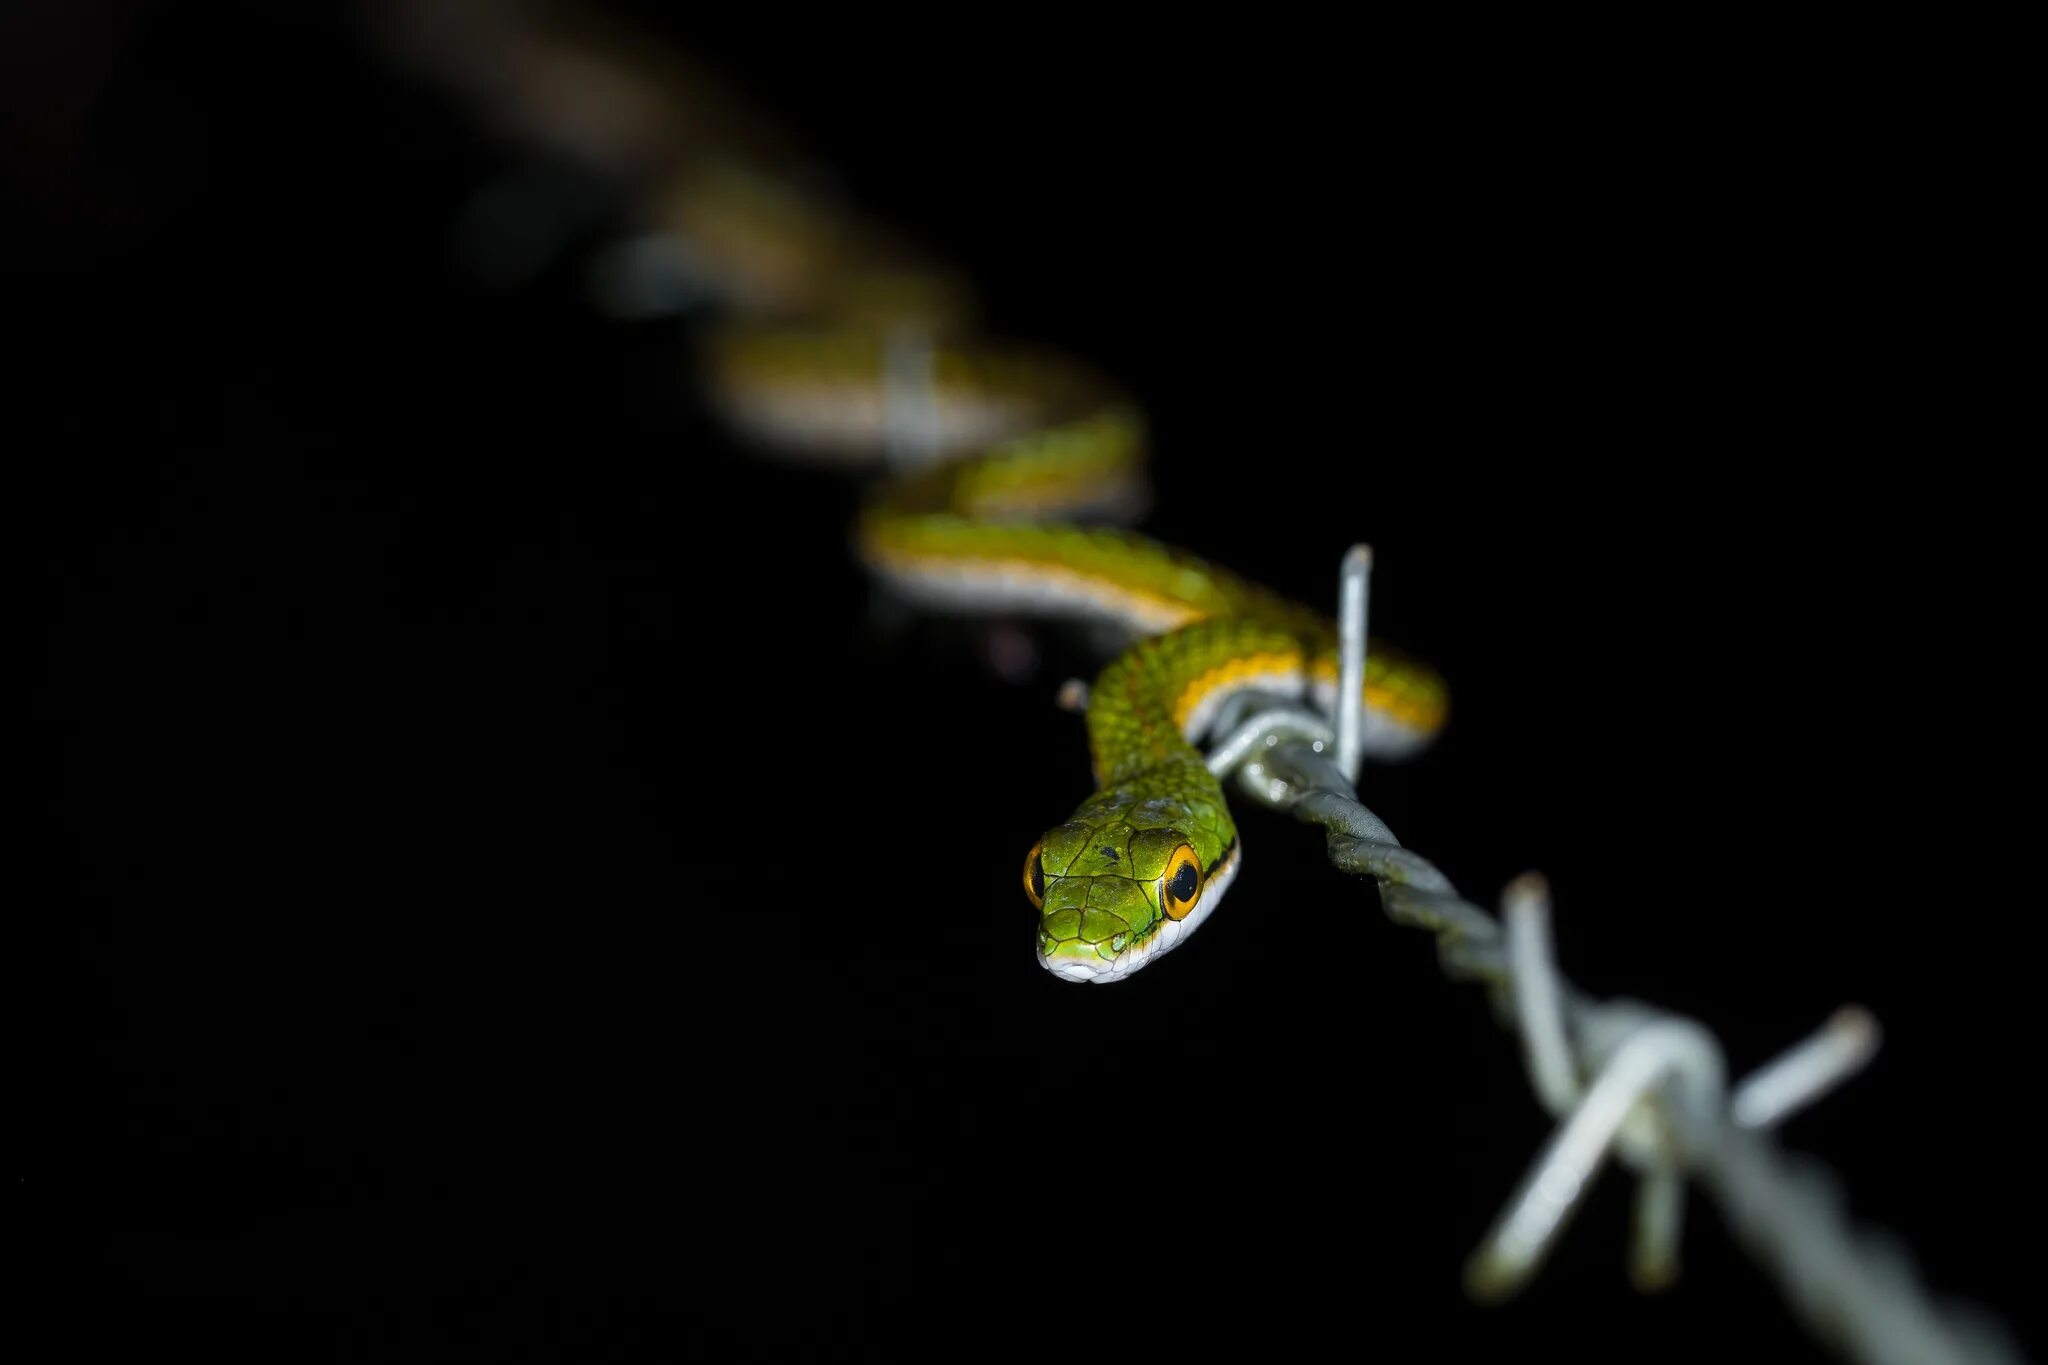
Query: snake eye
{"x":1181,"y":885}
{"x":1034,"y":876}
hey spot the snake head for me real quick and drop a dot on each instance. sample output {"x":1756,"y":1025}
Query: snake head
{"x":1112,"y":896}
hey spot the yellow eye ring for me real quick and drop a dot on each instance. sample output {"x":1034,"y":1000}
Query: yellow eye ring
{"x":1180,"y":886}
{"x":1034,"y":876}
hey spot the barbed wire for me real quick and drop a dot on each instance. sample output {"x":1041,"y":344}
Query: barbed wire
{"x":1657,"y":1095}
{"x":1626,"y":1077}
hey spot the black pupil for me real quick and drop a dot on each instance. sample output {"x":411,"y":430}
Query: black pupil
{"x":1038,"y":878}
{"x":1182,"y":887}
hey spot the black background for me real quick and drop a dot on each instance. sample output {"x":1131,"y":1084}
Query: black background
{"x":518,"y":895}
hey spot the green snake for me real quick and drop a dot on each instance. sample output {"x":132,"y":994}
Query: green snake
{"x":996,"y":450}
{"x":1146,"y":858}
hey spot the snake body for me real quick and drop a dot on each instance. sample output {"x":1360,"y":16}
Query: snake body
{"x":1145,"y":859}
{"x":995,"y":452}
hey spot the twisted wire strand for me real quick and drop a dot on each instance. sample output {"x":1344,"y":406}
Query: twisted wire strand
{"x":1656,"y":1097}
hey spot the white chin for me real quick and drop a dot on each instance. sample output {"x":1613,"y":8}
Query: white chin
{"x":1071,"y":969}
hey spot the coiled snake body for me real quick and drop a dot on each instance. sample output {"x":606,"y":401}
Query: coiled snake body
{"x":1142,"y":862}
{"x":832,"y":339}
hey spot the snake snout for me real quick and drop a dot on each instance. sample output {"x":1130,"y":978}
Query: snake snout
{"x":1072,"y":959}
{"x":1096,"y":926}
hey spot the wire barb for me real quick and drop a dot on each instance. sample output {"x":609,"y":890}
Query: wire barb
{"x":911,"y":433}
{"x":1843,"y":1046}
{"x":1354,"y":591}
{"x":1526,"y":908}
{"x":1550,"y":1193}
